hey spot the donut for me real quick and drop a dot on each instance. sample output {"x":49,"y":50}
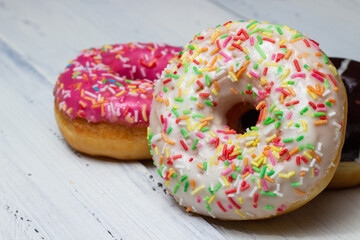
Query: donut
{"x":213,"y":167}
{"x":104,"y":96}
{"x":348,"y":172}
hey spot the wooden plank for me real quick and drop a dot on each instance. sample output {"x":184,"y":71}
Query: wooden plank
{"x":67,"y":195}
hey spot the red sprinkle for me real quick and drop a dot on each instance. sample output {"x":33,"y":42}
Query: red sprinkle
{"x":234,"y":203}
{"x":199,"y":83}
{"x":297,"y":65}
{"x":218,"y":43}
{"x":279,"y":56}
{"x":292,"y":103}
{"x":220,"y":206}
{"x":307,"y":43}
{"x":184,"y":145}
{"x":230,"y":191}
{"x":319,"y":73}
{"x":204,"y":95}
{"x":269,"y":40}
{"x":312,"y":105}
{"x":237,"y":46}
{"x":333,"y":80}
{"x":177,"y":157}
{"x":196,"y":62}
{"x":265,"y":71}
{"x":166,"y":81}
{"x":304,"y":159}
{"x":298,"y":160}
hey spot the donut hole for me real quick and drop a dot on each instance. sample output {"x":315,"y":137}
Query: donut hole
{"x":242,"y":116}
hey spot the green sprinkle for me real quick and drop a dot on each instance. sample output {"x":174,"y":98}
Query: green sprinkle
{"x":286,"y":140}
{"x":277,"y":125}
{"x":252,"y":178}
{"x":295,"y":184}
{"x":328,"y":103}
{"x":175,"y":112}
{"x":207,"y":102}
{"x":263,"y":170}
{"x":194,"y":145}
{"x":186,"y":112}
{"x":260,"y":51}
{"x":254,"y":31}
{"x":291,"y":82}
{"x":247,"y":57}
{"x":191,"y":47}
{"x":266,"y":30}
{"x":204,"y":129}
{"x":269,"y":120}
{"x":279,"y":30}
{"x":248,"y":87}
{"x":169,"y":130}
{"x":186,"y":67}
{"x":183,"y":178}
{"x":226,"y":163}
{"x":259,"y":39}
{"x":211,"y":191}
{"x":174,"y":175}
{"x":272,"y":107}
{"x":279,"y":70}
{"x":271,"y":173}
{"x":207,"y":80}
{"x":304,"y":110}
{"x":301,"y":147}
{"x":297,"y":125}
{"x":217,"y":187}
{"x":159,"y":172}
{"x":186,"y":186}
{"x":256,"y":169}
{"x":205,"y":165}
{"x":172,"y":76}
{"x":326,"y":83}
{"x":197,"y":71}
{"x":297,"y":35}
{"x":268,"y":193}
{"x":207,"y":197}
{"x":185,"y":134}
{"x":326,"y":60}
{"x":268,"y":207}
{"x":208,"y":207}
{"x":319,"y":114}
{"x":299,"y":138}
{"x":251,"y":24}
{"x":178,"y":99}
{"x":193,"y":98}
{"x":307,"y":67}
{"x":165,"y":89}
{"x":309,"y":146}
{"x":256,"y":65}
{"x":254,"y":128}
{"x":218,"y":69}
{"x":198,"y":115}
{"x":239,"y":157}
{"x":278,"y":113}
{"x":233,"y":176}
{"x":75,"y":75}
{"x":128,"y":81}
{"x":224,"y":36}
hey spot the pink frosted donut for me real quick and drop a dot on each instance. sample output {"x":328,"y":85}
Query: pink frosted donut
{"x":103,"y":98}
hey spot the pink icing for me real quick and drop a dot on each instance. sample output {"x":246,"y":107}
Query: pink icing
{"x":113,"y":83}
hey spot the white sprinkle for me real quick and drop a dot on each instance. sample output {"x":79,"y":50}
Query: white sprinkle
{"x":180,"y":201}
{"x":142,"y":70}
{"x":301,"y":180}
{"x":163,"y":150}
{"x":326,"y":93}
{"x":278,"y":194}
{"x":211,"y":214}
{"x":319,"y":145}
{"x":136,"y":115}
{"x":253,"y":192}
{"x":313,"y":162}
{"x":278,"y":187}
{"x":277,"y":172}
{"x":331,"y":114}
{"x":222,"y":182}
{"x":304,"y":169}
{"x":319,"y":153}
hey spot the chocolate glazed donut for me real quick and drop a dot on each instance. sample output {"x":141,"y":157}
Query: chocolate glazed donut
{"x":348,"y":172}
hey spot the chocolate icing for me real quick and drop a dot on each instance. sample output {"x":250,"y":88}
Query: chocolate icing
{"x":351,"y":79}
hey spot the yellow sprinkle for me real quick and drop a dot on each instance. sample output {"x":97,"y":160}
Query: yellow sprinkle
{"x":246,"y":50}
{"x":260,"y":61}
{"x":167,"y":182}
{"x":198,"y":189}
{"x":285,"y":74}
{"x":269,"y":35}
{"x":240,"y":213}
{"x":212,"y":134}
{"x":312,"y":172}
{"x":249,"y":143}
{"x":211,"y":161}
{"x":186,"y":92}
{"x":287,"y":28}
{"x":307,"y":155}
{"x":143,"y":112}
{"x":175,"y":106}
{"x":275,"y":149}
{"x":156,"y":150}
{"x":290,"y":123}
{"x":211,"y":198}
{"x":304,"y":125}
{"x":240,"y":200}
{"x":191,"y":81}
{"x":196,"y":47}
{"x":225,"y":181}
{"x":167,"y":152}
{"x":270,"y":64}
{"x":194,"y":126}
{"x":204,"y":70}
{"x":269,"y":139}
{"x":256,"y":164}
{"x":292,"y":173}
{"x":232,"y":75}
{"x":180,"y":81}
{"x":282,"y":42}
{"x":253,"y":26}
{"x":250,"y":150}
{"x":258,"y":183}
{"x":120,"y":93}
{"x":333,"y":70}
{"x":214,"y":91}
{"x":248,"y":74}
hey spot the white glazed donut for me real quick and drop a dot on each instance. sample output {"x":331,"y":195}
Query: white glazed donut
{"x":283,"y":161}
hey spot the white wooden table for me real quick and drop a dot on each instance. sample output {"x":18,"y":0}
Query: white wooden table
{"x":49,"y":191}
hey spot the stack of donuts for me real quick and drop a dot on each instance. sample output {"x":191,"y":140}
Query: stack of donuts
{"x":247,"y":121}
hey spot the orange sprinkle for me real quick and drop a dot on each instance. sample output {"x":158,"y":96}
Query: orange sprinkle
{"x":260,"y":105}
{"x":171,"y":173}
{"x":320,"y":122}
{"x":288,"y":54}
{"x":180,"y":92}
{"x":302,"y":173}
{"x":318,"y":159}
{"x":214,"y":51}
{"x":188,"y":209}
{"x":192,"y":183}
{"x":159,"y":99}
{"x":231,"y":48}
{"x":253,"y":155}
{"x":206,"y":119}
{"x":231,"y":68}
{"x":216,"y":86}
{"x":282,"y":98}
{"x":161,"y":160}
{"x":199,"y":165}
{"x":233,"y":91}
{"x":320,"y":65}
{"x":312,"y":153}
{"x":213,"y":61}
{"x":267,"y":148}
{"x":336,"y":89}
{"x":269,"y":179}
{"x":246,"y":161}
{"x":300,"y":192}
{"x":215,"y":37}
{"x":314,"y":90}
{"x":245,"y":175}
{"x":200,"y":76}
{"x":200,"y":105}
{"x":296,"y":39}
{"x":292,"y":91}
{"x":242,"y":69}
{"x":318,"y":54}
{"x":205,"y":62}
{"x":216,"y":162}
{"x":167,"y":102}
{"x":265,"y":153}
{"x":184,"y":117}
{"x":295,"y":150}
{"x":332,"y":100}
{"x":167,"y":71}
{"x":204,"y":49}
{"x":233,"y":166}
{"x":264,"y":113}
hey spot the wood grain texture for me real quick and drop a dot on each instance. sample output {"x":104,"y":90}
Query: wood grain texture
{"x":49,"y":191}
